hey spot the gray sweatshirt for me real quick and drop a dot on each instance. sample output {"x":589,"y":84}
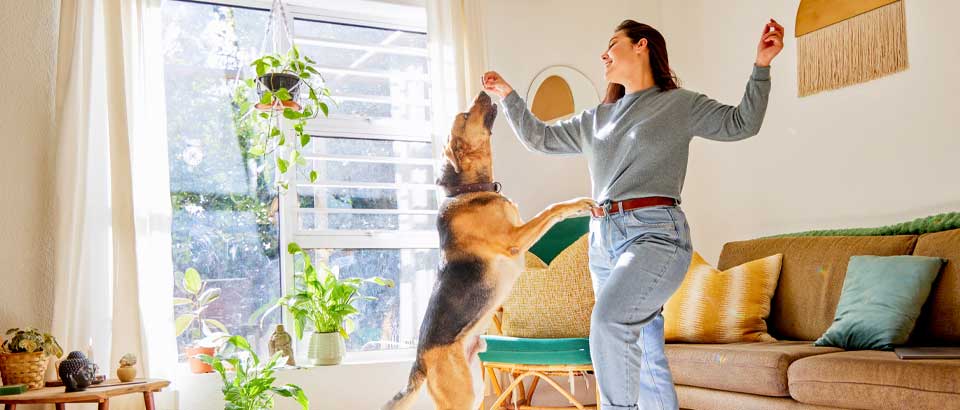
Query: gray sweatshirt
{"x":638,"y":146}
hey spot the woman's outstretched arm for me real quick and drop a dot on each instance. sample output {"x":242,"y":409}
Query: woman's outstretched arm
{"x":713,"y":120}
{"x":564,"y":137}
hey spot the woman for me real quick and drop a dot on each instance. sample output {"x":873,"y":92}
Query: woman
{"x":636,"y":144}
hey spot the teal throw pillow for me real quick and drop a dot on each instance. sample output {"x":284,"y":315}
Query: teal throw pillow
{"x":880,"y":301}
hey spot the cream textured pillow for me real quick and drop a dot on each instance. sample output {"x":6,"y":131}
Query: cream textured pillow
{"x":722,"y":307}
{"x":551,"y":301}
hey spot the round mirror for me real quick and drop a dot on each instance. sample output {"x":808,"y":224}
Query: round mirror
{"x":558,"y":92}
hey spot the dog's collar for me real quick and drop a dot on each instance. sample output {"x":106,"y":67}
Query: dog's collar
{"x":453,"y":191}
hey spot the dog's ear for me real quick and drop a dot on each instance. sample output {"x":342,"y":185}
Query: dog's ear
{"x":452,"y":157}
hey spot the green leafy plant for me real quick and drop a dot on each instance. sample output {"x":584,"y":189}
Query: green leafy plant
{"x":30,"y":340}
{"x":248,"y":383}
{"x":324,"y":300}
{"x":272,"y":135}
{"x":200,"y":297}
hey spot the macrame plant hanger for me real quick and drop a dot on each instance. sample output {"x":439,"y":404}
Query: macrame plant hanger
{"x":281,"y":41}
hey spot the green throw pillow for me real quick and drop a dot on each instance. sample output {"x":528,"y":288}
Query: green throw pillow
{"x":880,"y":301}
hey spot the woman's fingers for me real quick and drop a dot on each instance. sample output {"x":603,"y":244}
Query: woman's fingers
{"x":777,"y":26}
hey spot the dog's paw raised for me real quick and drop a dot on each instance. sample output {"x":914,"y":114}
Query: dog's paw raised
{"x":579,"y":206}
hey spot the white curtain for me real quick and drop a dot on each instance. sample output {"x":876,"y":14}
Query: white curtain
{"x":113,"y":279}
{"x":457,"y":58}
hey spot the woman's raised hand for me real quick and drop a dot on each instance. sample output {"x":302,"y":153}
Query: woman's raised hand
{"x":494,"y":83}
{"x":771,"y":42}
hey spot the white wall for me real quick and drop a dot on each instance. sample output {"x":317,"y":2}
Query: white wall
{"x":868,"y":155}
{"x":524,"y":37}
{"x":28,"y":53}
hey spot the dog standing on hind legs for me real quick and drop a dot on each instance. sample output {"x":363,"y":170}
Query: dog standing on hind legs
{"x":482,"y":240}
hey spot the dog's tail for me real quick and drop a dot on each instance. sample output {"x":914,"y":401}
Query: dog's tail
{"x":405,"y":398}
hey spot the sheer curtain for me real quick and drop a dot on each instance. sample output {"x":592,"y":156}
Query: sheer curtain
{"x":113,"y":269}
{"x":457,"y":58}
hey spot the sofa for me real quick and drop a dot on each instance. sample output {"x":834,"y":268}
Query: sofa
{"x":792,"y":373}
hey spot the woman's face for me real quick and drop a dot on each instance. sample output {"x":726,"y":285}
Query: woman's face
{"x":623,"y":58}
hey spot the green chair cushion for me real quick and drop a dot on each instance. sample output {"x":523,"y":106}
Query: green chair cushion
{"x":504,"y":349}
{"x":559,"y":237}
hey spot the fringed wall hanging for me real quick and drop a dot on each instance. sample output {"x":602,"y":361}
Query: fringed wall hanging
{"x":845,"y":42}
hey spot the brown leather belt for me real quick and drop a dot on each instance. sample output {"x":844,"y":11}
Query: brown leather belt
{"x":630,"y":204}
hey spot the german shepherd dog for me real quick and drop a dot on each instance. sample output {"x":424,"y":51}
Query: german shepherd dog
{"x":483,"y":241}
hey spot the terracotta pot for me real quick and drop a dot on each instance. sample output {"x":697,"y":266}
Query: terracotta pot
{"x":126,"y":374}
{"x":196,"y":365}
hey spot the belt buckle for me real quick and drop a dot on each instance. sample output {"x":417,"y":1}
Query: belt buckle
{"x":605,"y":208}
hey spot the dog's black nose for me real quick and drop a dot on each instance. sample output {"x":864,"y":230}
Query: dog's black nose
{"x":482,"y":99}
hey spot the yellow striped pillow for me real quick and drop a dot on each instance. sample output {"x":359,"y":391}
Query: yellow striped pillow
{"x":722,"y":307}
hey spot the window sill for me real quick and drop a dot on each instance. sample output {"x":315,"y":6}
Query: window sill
{"x":351,"y":359}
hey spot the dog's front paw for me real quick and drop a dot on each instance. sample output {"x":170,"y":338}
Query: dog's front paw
{"x":579,"y":206}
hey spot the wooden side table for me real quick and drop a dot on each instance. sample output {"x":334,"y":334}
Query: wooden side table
{"x":100,"y":394}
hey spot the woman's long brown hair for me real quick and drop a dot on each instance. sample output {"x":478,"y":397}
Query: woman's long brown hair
{"x":663,"y":76}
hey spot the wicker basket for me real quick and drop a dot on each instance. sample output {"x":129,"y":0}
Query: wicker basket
{"x":25,"y":368}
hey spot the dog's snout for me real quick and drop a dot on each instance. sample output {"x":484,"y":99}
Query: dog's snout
{"x":482,"y":99}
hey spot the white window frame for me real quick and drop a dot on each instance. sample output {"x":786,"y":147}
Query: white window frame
{"x":351,"y":128}
{"x":362,"y":129}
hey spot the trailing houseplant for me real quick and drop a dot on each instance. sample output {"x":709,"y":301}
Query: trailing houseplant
{"x":248,"y":382}
{"x":325,"y":302}
{"x":24,"y":356}
{"x":201,"y":329}
{"x":281,"y":83}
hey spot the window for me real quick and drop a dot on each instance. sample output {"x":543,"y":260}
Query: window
{"x":222,"y":224}
{"x":372,"y":211}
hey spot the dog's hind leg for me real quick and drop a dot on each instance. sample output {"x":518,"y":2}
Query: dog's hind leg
{"x":524,"y":236}
{"x":448,"y":378}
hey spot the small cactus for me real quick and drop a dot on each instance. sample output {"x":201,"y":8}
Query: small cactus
{"x":128,"y":360}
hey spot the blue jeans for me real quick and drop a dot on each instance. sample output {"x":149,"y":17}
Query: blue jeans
{"x":638,"y":259}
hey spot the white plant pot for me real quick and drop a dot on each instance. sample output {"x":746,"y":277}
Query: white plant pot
{"x":326,"y":349}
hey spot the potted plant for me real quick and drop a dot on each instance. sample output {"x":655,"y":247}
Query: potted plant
{"x":205,"y":340}
{"x":325,"y":302}
{"x":248,"y":383}
{"x":282,"y":81}
{"x":24,"y":356}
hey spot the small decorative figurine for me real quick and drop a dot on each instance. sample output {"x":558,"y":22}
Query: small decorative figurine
{"x":281,"y":341}
{"x":76,"y":372}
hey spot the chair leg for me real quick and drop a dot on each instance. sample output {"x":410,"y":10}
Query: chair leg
{"x":521,"y":393}
{"x":508,"y":391}
{"x":533,"y":387}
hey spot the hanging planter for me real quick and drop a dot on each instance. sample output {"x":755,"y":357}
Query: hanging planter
{"x":274,"y":82}
{"x":277,"y":100}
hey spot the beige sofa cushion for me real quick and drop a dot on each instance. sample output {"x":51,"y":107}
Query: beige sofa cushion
{"x":700,"y":398}
{"x":757,"y":368}
{"x":871,"y":379}
{"x":811,"y":275}
{"x":939,"y":323}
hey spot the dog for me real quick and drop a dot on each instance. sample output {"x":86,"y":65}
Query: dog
{"x":483,"y":241}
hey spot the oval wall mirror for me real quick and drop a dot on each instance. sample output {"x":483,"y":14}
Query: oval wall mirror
{"x":558,"y":92}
